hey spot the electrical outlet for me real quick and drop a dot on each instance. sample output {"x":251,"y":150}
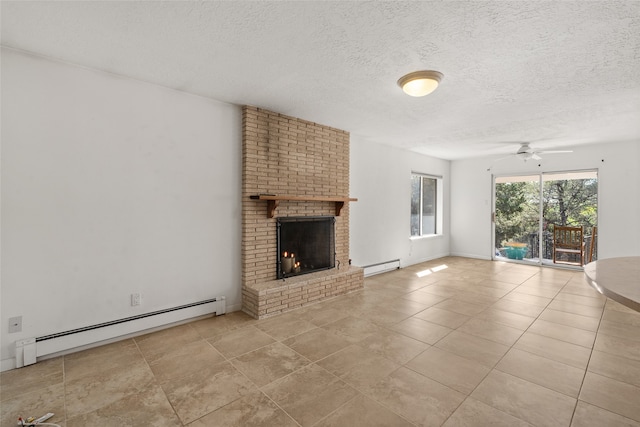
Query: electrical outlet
{"x":136,"y":299}
{"x":15,"y":324}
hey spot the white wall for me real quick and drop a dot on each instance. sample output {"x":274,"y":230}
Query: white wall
{"x":379,"y":220}
{"x":112,"y":186}
{"x":618,"y":166}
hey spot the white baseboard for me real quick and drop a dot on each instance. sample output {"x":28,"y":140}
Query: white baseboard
{"x":382,"y":267}
{"x":473,"y":256}
{"x":95,"y":337}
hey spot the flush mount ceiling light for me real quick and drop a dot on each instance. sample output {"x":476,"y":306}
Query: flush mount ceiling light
{"x":420,"y":83}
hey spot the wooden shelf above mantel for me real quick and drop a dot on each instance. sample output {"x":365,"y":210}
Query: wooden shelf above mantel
{"x":273,"y":201}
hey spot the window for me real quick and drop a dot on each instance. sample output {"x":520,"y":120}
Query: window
{"x":425,"y":204}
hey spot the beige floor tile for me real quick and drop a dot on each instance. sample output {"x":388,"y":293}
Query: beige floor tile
{"x":156,"y":344}
{"x":408,"y":284}
{"x":421,"y":330}
{"x":358,"y":367}
{"x":441,"y":317}
{"x":513,"y":277}
{"x":632,"y":319}
{"x":92,"y":392}
{"x":359,"y":303}
{"x":417,"y":398}
{"x":405,"y":306}
{"x":31,"y":378}
{"x":569,"y":319}
{"x":518,"y":307}
{"x":473,"y":413}
{"x":537,"y":291}
{"x":381,"y":317}
{"x":556,"y":276}
{"x":542,"y":371}
{"x":619,"y":346}
{"x":451,"y":280}
{"x":491,"y":283}
{"x":583,"y":289}
{"x":572,"y":307}
{"x":320,"y":317}
{"x":147,"y":407}
{"x":472,"y":297}
{"x":353,"y":329}
{"x":424,"y":297}
{"x":612,"y":395}
{"x":362,"y":411}
{"x":488,"y":291}
{"x":616,"y":306}
{"x":240,"y":341}
{"x":309,"y":394}
{"x":555,"y":283}
{"x":215,"y":325}
{"x":285,"y":326}
{"x":449,"y":369}
{"x":461,"y":307}
{"x":535,"y":404}
{"x":185,"y":361}
{"x":440,"y":290}
{"x":507,"y":318}
{"x":620,"y":330}
{"x":462,"y":274}
{"x":212,"y":326}
{"x":101,"y":359}
{"x":253,"y":410}
{"x":269,"y":363}
{"x":211,"y":388}
{"x":316,"y":344}
{"x":36,"y":403}
{"x":616,"y":367}
{"x":551,"y":348}
{"x":595,"y":300}
{"x":394,"y":346}
{"x":587,"y":415}
{"x":560,"y":332}
{"x":191,"y":374}
{"x":492,"y":331}
{"x":471,"y":347}
{"x":527,"y":298}
{"x":383,"y":293}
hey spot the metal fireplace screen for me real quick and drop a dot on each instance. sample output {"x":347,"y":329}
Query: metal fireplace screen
{"x":305,"y":244}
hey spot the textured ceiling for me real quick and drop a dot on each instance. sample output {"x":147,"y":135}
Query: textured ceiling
{"x":556,"y":74}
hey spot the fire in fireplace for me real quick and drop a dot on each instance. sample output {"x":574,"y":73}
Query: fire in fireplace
{"x":305,"y":244}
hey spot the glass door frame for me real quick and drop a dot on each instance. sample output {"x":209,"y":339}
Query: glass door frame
{"x":540,"y":175}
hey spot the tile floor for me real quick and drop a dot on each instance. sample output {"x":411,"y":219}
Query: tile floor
{"x":478,"y":343}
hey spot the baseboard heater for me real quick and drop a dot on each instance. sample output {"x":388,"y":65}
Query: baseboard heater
{"x":381,"y":267}
{"x":26,"y":349}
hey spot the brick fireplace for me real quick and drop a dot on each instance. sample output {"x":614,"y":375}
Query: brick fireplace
{"x":285,"y":156}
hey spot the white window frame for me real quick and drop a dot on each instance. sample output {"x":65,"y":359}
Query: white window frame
{"x":438,"y":208}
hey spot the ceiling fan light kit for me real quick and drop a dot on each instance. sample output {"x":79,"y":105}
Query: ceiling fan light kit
{"x":420,"y":83}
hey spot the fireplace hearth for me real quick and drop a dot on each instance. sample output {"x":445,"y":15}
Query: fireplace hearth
{"x":305,"y":245}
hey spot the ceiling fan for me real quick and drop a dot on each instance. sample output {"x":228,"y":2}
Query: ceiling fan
{"x":525,"y":152}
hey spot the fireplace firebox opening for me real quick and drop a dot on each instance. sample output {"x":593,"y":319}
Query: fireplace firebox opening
{"x":305,"y":244}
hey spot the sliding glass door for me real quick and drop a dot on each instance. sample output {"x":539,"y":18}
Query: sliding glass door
{"x":527,"y":209}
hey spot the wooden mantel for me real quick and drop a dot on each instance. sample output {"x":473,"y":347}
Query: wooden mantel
{"x":273,"y":201}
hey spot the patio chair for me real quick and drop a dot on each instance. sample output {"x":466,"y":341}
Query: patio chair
{"x":592,"y":245}
{"x":567,"y":243}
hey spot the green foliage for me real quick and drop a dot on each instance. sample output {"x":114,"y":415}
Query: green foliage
{"x":570,"y":202}
{"x":510,"y":204}
{"x":564,"y":202}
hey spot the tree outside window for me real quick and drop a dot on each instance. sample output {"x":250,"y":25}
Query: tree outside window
{"x":424,"y":205}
